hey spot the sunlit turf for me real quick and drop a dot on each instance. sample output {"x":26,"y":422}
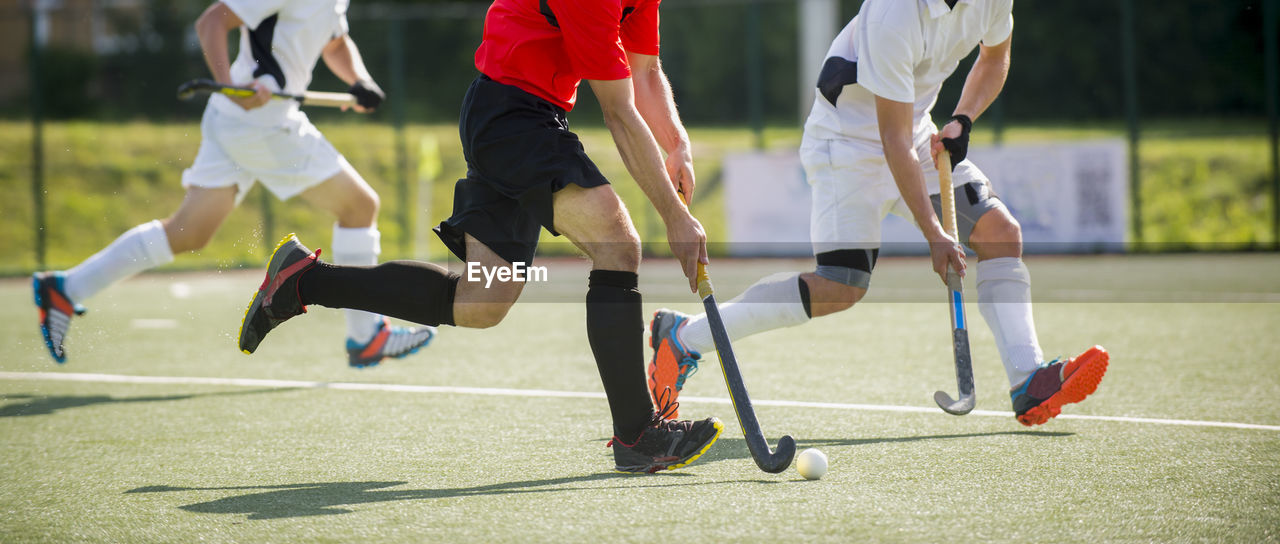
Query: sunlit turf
{"x":94,"y":461}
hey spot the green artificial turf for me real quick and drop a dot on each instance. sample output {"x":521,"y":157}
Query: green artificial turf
{"x":128,"y":462}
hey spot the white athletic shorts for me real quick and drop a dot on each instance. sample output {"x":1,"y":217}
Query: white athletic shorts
{"x":853,"y":190}
{"x":288,"y":156}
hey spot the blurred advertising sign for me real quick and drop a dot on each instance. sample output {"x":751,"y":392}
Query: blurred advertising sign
{"x":1070,"y":197}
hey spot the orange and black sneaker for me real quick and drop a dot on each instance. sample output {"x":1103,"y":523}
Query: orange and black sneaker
{"x":1055,"y":383}
{"x":390,"y":341}
{"x":665,"y":444}
{"x":672,"y":363}
{"x":277,"y":299}
{"x":56,"y":309}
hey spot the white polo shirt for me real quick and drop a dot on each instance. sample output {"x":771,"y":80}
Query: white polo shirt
{"x":902,"y":50}
{"x":280,"y":42}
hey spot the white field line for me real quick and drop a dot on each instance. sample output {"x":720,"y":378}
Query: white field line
{"x":1100,"y":295}
{"x":153,"y":323}
{"x":502,"y":392}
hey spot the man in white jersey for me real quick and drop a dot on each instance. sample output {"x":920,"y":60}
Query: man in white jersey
{"x":255,"y":139}
{"x":868,"y":150}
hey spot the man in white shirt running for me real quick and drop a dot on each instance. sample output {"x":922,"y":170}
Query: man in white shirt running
{"x":255,"y":139}
{"x":868,"y":150}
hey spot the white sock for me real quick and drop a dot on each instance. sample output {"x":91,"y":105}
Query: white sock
{"x":772,"y":303}
{"x":141,"y":247}
{"x":360,"y":247}
{"x":1004,"y":298}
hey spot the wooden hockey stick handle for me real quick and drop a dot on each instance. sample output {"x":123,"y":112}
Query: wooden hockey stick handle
{"x":705,"y":288}
{"x":331,"y":100}
{"x":947,"y":193}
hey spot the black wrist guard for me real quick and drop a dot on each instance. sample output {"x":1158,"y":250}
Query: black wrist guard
{"x":959,"y":146}
{"x":367,"y":94}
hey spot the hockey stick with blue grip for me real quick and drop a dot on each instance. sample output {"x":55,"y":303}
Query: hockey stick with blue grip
{"x":955,"y":304}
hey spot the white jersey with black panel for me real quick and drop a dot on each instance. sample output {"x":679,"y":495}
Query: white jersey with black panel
{"x":280,"y":42}
{"x":902,"y":50}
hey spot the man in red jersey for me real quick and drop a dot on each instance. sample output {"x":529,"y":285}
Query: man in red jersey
{"x":527,"y":171}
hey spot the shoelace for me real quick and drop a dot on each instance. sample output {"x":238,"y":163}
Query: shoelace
{"x":688,"y":367}
{"x":667,"y":407}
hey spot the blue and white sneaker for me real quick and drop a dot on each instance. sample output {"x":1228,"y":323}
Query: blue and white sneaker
{"x":672,"y":363}
{"x":389,"y":341}
{"x":56,"y":309}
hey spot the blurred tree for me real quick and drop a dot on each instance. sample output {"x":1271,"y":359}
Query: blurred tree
{"x":1199,"y":58}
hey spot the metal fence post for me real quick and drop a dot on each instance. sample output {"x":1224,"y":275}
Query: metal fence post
{"x":268,"y":221}
{"x":1129,"y":51}
{"x":37,"y":141}
{"x":755,"y":73}
{"x":1271,"y":18}
{"x":405,"y":217}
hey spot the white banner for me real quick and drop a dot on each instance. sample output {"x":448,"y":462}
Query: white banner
{"x":1068,"y":196}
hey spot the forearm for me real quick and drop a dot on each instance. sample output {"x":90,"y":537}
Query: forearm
{"x":984,"y":82}
{"x":640,"y":155}
{"x":896,"y":138}
{"x":344,"y":60}
{"x":655,"y":103}
{"x":904,"y":164}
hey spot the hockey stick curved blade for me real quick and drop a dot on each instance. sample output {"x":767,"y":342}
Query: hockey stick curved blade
{"x":954,"y":407}
{"x":190,"y":89}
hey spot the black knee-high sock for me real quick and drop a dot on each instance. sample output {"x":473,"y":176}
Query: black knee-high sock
{"x":615,"y":329}
{"x":411,"y":290}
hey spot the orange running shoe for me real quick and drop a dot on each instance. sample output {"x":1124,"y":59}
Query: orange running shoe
{"x":1056,"y":383}
{"x":672,"y":363}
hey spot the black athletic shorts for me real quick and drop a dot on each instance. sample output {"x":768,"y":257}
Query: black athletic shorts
{"x":519,"y":151}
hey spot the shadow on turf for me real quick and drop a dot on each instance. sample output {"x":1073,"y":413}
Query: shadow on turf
{"x":327,"y":498}
{"x":39,"y":405}
{"x":736,"y":448}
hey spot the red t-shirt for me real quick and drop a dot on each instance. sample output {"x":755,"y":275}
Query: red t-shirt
{"x":547,"y":47}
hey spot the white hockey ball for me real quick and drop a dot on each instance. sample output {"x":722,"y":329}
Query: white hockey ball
{"x":811,"y":463}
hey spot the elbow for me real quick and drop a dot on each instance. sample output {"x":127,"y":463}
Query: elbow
{"x":896,"y":145}
{"x":207,"y":25}
{"x":202,"y":25}
{"x":614,"y":116}
{"x":217,"y":19}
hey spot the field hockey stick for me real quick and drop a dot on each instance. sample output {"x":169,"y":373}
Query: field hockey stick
{"x":768,"y":460}
{"x":955,"y":303}
{"x":190,"y":89}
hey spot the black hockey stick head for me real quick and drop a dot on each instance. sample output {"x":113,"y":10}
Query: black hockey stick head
{"x":771,"y":461}
{"x":190,"y":89}
{"x":777,"y":460}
